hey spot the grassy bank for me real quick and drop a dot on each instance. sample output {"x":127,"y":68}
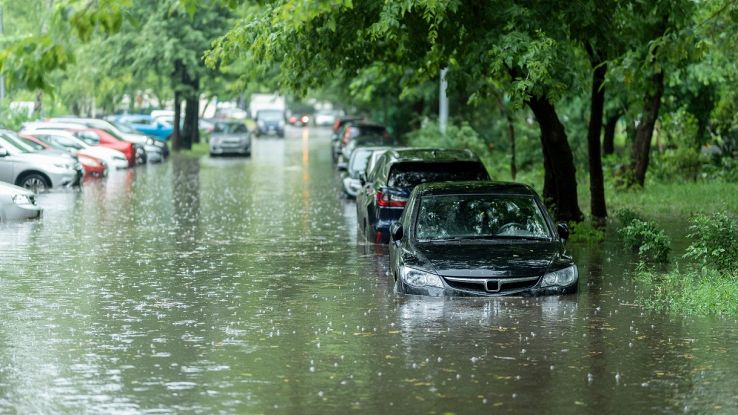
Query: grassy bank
{"x":694,"y":291}
{"x":197,"y":150}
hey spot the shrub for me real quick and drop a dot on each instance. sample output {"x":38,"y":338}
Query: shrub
{"x":585,"y":232}
{"x":714,"y":241}
{"x":625,"y":216}
{"x":647,"y":240}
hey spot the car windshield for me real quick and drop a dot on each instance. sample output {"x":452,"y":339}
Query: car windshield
{"x":88,"y":137}
{"x":66,"y":142}
{"x":124,"y":128}
{"x":480,"y":217}
{"x":270,"y":115}
{"x":411,"y":174}
{"x":34,"y":145}
{"x":230,"y":127}
{"x":16,"y":143}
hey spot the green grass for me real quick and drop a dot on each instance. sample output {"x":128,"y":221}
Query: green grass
{"x":694,"y":291}
{"x":198,"y":150}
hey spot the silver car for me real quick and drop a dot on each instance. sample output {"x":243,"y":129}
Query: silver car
{"x":230,"y":137}
{"x":358,"y":164}
{"x":21,"y":166}
{"x":17,"y":203}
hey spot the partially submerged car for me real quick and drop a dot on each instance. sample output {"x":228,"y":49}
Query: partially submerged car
{"x":230,"y":137}
{"x":23,"y":166}
{"x":17,"y":203}
{"x":479,"y":239}
{"x":387,"y":186}
{"x":268,"y":122}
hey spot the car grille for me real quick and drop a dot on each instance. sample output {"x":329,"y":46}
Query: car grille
{"x":492,"y":285}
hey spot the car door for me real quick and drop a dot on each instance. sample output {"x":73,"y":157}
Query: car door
{"x":6,"y":168}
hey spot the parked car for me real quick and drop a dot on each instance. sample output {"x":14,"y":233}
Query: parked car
{"x":22,"y":166}
{"x":352,"y":130}
{"x":67,"y":140}
{"x":338,"y":127}
{"x":270,"y":122}
{"x":17,"y":203}
{"x":479,"y":238}
{"x":357,"y":165}
{"x":385,"y":190}
{"x":93,"y":166}
{"x":298,"y":120}
{"x":362,"y":141}
{"x":230,"y":137}
{"x":146,"y":148}
{"x":145,"y":124}
{"x":95,"y":137}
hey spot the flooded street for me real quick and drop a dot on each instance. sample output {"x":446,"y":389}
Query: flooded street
{"x":238,"y":286}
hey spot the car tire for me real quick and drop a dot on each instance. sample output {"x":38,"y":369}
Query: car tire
{"x":34,"y":181}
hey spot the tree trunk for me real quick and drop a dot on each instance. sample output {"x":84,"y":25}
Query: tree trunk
{"x":38,"y":105}
{"x":596,"y":180}
{"x":510,"y":135}
{"x":560,"y":182}
{"x":644,"y":132}
{"x":608,"y":140}
{"x":190,"y":122}
{"x":176,"y":134}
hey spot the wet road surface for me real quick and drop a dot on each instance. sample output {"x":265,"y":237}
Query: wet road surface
{"x":238,"y":286}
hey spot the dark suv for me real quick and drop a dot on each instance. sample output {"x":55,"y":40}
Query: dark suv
{"x":269,"y":122}
{"x":386,"y":188}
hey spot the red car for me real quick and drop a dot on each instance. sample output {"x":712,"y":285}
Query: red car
{"x":95,"y":137}
{"x":94,"y":167}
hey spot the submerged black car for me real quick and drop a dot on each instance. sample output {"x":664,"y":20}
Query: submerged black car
{"x":479,"y":239}
{"x":386,"y":188}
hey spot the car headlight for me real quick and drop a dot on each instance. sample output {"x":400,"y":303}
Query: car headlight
{"x":563,"y":277}
{"x":418,"y":278}
{"x":22,"y":200}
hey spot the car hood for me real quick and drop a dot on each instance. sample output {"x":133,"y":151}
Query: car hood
{"x":487,"y":259}
{"x":134,"y":138}
{"x":225,"y":136}
{"x":102,"y":152}
{"x":10,"y":190}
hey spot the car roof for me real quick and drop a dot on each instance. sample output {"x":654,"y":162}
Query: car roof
{"x":430,"y":154}
{"x":473,"y":187}
{"x":366,"y":124}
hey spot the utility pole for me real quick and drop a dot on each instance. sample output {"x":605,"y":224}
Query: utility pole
{"x":443,"y":102}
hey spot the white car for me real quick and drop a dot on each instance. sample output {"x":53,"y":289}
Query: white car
{"x":17,"y":203}
{"x":114,"y":158}
{"x":324,"y":118}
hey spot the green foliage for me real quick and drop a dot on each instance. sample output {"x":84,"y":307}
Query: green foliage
{"x":714,"y":242}
{"x":585,"y":232}
{"x":698,"y":292}
{"x":681,"y":163}
{"x":626,"y":215}
{"x":647,"y":240}
{"x":30,"y":61}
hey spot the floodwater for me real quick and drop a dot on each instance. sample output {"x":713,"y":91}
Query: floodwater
{"x":238,"y":286}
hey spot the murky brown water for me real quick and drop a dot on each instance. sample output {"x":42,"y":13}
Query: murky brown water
{"x":237,"y":286}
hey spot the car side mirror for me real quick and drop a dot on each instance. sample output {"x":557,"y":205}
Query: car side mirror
{"x":563,"y":230}
{"x":396,"y":231}
{"x":342,"y":166}
{"x":362,"y":178}
{"x":3,"y":152}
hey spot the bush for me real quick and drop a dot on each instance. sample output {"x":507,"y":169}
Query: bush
{"x":647,"y":240}
{"x":682,"y":163}
{"x":585,"y":232}
{"x":626,"y":216}
{"x":714,"y":242}
{"x":704,"y":292}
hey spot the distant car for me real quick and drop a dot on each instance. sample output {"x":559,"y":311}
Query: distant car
{"x":481,"y":239}
{"x":145,"y":124}
{"x":298,"y":120}
{"x":382,"y":199}
{"x":269,"y":122}
{"x":230,"y":137}
{"x":22,"y":166}
{"x":324,"y":118}
{"x":17,"y":203}
{"x":357,"y":165}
